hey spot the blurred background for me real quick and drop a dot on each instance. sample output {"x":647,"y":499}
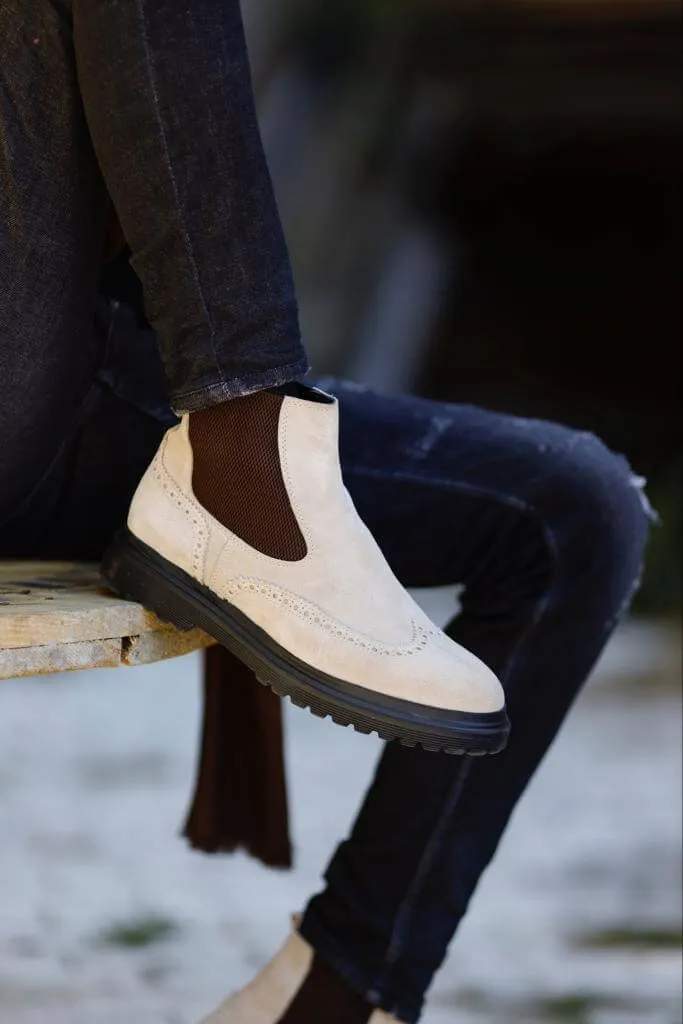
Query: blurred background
{"x":482,"y":203}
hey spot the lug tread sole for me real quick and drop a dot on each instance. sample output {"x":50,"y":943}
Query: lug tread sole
{"x":138,"y":573}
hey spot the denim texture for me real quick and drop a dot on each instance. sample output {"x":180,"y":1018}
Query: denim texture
{"x":544,"y":527}
{"x":151,"y":104}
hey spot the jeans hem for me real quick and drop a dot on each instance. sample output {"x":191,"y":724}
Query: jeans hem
{"x":358,"y":978}
{"x":238,"y":387}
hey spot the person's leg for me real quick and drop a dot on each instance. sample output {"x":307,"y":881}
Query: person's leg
{"x":81,"y":501}
{"x":546,"y":528}
{"x":168,"y":96}
{"x":169,"y":101}
{"x":53,"y":208}
{"x":241,"y":525}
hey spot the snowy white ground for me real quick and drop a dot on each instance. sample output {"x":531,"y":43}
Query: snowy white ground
{"x":95,"y":773}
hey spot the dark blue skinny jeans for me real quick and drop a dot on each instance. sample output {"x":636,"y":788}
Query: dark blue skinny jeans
{"x":149,"y":103}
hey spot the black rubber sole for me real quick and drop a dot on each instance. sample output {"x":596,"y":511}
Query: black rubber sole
{"x":137,"y":572}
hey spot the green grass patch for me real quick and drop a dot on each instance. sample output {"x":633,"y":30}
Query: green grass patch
{"x":632,"y":938}
{"x":580,"y":1007}
{"x":575,"y":1007}
{"x":139,"y":932}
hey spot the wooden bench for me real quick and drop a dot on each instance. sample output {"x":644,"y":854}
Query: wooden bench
{"x":58,"y":617}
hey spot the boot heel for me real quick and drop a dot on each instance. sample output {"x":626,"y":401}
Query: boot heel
{"x":129,"y":574}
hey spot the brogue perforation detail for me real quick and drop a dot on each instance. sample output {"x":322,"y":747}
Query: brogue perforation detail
{"x":309,"y":612}
{"x":200,"y":531}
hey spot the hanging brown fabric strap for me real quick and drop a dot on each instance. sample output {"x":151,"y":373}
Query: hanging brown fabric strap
{"x":240,"y":799}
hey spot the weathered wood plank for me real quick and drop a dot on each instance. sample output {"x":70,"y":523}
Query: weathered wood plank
{"x":57,"y":617}
{"x":70,"y":621}
{"x":50,"y":603}
{"x":151,"y":647}
{"x":18,"y":662}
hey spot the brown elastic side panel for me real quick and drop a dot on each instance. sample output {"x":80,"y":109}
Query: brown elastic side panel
{"x":237,"y":475}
